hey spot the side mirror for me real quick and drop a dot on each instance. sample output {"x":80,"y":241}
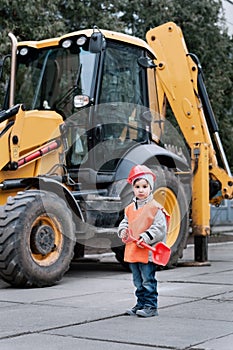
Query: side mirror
{"x":81,"y":101}
{"x":97,"y":42}
{"x":146,"y":62}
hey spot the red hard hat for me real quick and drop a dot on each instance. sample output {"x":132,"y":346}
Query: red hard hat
{"x":137,"y":171}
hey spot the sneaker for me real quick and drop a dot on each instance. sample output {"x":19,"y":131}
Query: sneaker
{"x":147,"y":312}
{"x":133,"y":310}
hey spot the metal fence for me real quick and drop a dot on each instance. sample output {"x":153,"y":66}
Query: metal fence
{"x":222,"y":215}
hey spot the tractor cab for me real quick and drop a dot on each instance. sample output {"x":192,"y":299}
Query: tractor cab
{"x":99,"y":87}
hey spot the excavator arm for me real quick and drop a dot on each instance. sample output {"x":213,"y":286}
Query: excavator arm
{"x":180,"y":81}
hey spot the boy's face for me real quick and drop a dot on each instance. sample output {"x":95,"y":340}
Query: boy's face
{"x":141,"y":189}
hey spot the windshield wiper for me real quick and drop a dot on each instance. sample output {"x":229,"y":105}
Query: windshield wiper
{"x":62,"y":102}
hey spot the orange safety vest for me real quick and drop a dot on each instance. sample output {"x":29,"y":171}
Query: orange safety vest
{"x":139,"y":221}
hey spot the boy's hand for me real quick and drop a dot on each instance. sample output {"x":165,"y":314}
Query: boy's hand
{"x":124,"y":235}
{"x":139,"y":243}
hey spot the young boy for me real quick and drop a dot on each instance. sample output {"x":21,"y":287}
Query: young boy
{"x":145,"y":220}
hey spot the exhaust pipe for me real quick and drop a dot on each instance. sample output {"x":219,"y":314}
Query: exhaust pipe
{"x":13,"y":68}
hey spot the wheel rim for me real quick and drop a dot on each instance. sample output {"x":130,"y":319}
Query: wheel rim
{"x":46,"y":240}
{"x":168,"y":200}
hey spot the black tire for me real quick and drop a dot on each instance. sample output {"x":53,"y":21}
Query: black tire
{"x":170,"y":193}
{"x":36,"y":239}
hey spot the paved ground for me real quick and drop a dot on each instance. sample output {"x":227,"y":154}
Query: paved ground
{"x":86,"y":310}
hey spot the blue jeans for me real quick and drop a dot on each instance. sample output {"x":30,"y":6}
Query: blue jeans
{"x":146,"y":284}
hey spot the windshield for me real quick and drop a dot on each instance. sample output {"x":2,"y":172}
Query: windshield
{"x":50,"y":78}
{"x":122,"y":76}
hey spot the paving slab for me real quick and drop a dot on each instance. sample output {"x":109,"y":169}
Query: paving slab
{"x":221,"y":343}
{"x":162,"y":331}
{"x":209,"y":310}
{"x":192,"y":289}
{"x":36,"y":317}
{"x":227,"y":296}
{"x":53,"y":342}
{"x":66,"y":289}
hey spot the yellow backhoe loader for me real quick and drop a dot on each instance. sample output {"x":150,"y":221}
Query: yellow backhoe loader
{"x":80,"y":110}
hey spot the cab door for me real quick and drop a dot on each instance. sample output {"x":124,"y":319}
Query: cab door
{"x":118,"y":122}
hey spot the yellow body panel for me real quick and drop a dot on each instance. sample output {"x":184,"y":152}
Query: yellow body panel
{"x":177,"y":76}
{"x":33,"y":130}
{"x":88,"y":32}
{"x":177,"y":80}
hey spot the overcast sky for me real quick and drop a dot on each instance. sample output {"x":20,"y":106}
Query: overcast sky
{"x":228,"y":6}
